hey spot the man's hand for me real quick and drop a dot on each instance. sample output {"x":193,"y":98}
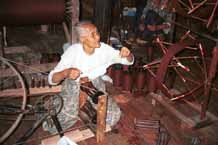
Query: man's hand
{"x":125,"y":53}
{"x":84,"y":80}
{"x":72,"y":73}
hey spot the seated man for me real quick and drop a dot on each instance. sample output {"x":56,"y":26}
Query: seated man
{"x":86,"y":60}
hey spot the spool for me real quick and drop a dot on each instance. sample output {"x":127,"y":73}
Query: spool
{"x":125,"y":67}
{"x":127,"y":81}
{"x":140,"y":80}
{"x":117,"y":76}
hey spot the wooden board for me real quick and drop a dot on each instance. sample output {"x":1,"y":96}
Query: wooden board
{"x":196,"y":107}
{"x":76,"y":136}
{"x":32,"y":91}
{"x":187,"y":120}
{"x":16,"y":49}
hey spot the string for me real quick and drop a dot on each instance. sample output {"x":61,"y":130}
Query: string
{"x":21,"y":64}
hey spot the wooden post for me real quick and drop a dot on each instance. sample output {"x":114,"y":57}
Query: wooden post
{"x":207,"y":87}
{"x":5,"y":36}
{"x":101,"y":118}
{"x":1,"y":43}
{"x":66,"y":32}
{"x":102,"y":18}
{"x":75,"y":19}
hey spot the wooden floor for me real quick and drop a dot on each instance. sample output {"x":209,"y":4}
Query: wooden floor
{"x":138,"y":106}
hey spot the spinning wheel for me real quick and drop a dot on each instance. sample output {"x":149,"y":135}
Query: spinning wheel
{"x":172,"y":62}
{"x":186,"y":60}
{"x":193,"y":74}
{"x":7,"y":83}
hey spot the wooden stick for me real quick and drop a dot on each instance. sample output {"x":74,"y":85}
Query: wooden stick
{"x":188,"y":47}
{"x":212,"y":15}
{"x":191,"y":4}
{"x":184,"y":4}
{"x":5,"y":36}
{"x":195,"y":8}
{"x":101,"y":118}
{"x":199,"y":19}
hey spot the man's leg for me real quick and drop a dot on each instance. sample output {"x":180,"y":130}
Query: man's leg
{"x":69,"y":113}
{"x":113,"y":110}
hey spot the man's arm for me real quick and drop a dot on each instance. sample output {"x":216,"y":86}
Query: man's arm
{"x":72,"y":73}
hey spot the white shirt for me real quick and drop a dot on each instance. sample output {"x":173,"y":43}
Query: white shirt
{"x":91,"y":66}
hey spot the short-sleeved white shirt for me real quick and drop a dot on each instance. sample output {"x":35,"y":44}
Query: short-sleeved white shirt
{"x":91,"y":66}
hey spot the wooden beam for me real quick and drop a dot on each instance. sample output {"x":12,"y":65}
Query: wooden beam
{"x":28,"y":69}
{"x":101,"y":118}
{"x":196,"y":106}
{"x":188,"y":122}
{"x":16,"y":49}
{"x":32,"y":91}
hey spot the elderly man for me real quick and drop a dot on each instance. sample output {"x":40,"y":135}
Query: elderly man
{"x":86,"y":61}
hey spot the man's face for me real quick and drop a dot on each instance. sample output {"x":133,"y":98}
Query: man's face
{"x":92,"y":39}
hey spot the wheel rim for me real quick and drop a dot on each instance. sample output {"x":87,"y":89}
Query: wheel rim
{"x":18,"y":119}
{"x":188,"y":77}
{"x":52,"y":103}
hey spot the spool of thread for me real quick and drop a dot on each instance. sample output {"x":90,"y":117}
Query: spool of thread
{"x":127,"y":81}
{"x":125,"y":67}
{"x":140,"y":80}
{"x":32,"y":82}
{"x":117,"y":78}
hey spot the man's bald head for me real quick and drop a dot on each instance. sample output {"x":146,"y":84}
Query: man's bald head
{"x":88,"y":36}
{"x":84,"y":28}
